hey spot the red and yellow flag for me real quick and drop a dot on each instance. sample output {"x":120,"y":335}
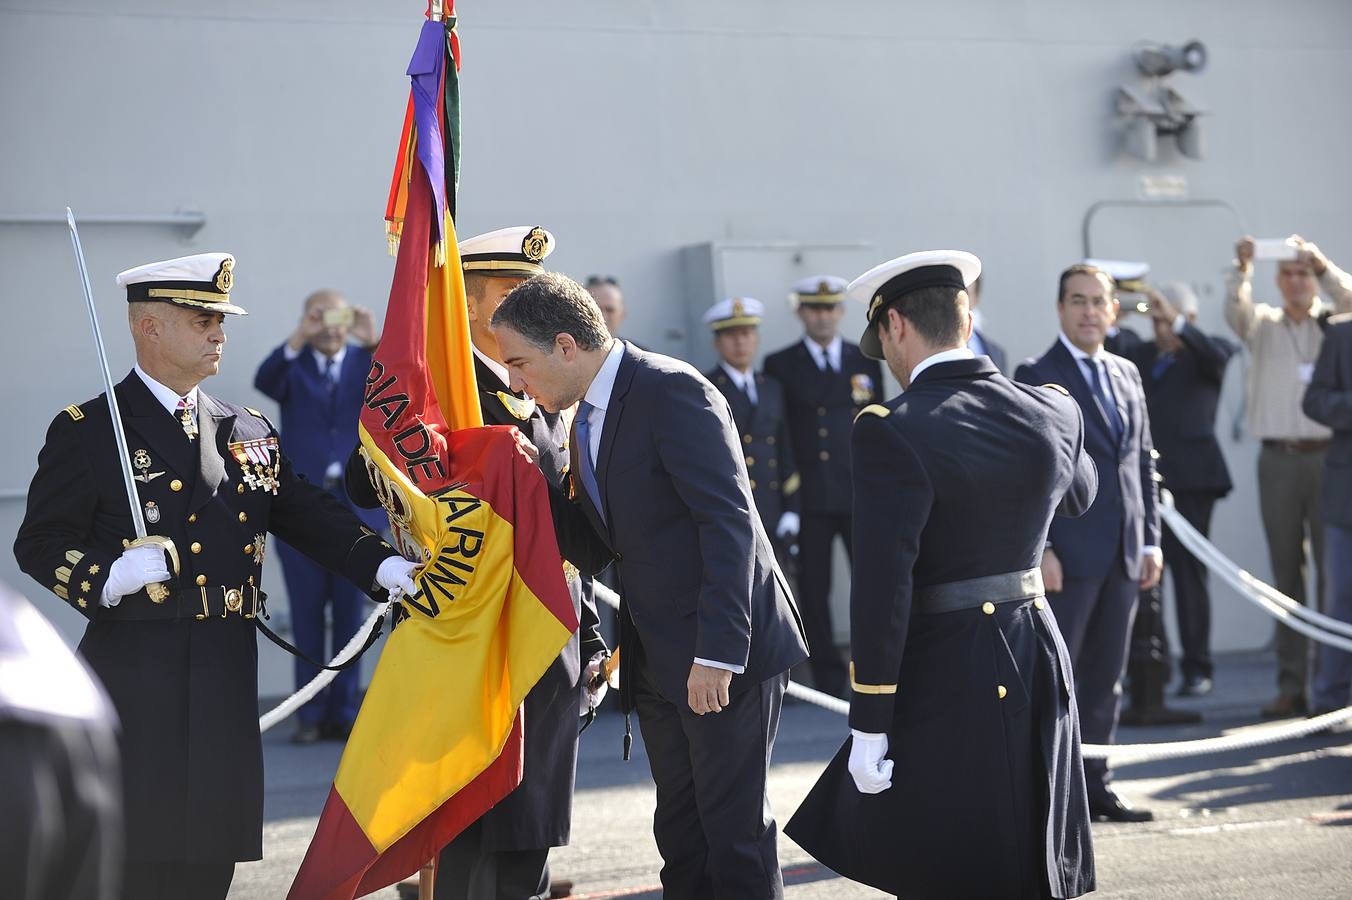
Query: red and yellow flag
{"x":439,"y":737}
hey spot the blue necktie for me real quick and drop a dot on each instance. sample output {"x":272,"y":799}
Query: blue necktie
{"x":331,"y":374}
{"x":587,"y":471}
{"x":1105,"y":400}
{"x":1162,"y":364}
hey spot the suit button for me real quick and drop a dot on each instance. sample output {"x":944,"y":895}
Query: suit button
{"x":248,"y":548}
{"x":821,"y":410}
{"x":770,"y":440}
{"x":823,"y":456}
{"x":201,"y":580}
{"x":988,"y":608}
{"x":1000,"y":691}
{"x":175,"y":485}
{"x":192,"y":518}
{"x":750,"y":461}
{"x":196,"y":547}
{"x":746,"y":439}
{"x":822,"y":432}
{"x":243,"y":517}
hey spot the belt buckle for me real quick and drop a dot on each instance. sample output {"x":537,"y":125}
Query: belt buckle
{"x":234,"y":601}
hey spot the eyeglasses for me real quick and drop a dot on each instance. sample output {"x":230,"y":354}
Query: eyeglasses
{"x":594,"y":280}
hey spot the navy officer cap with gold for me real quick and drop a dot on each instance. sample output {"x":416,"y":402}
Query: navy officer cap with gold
{"x":734,"y":312}
{"x":896,"y":278}
{"x":200,"y":281}
{"x":819,"y":290}
{"x":515,"y":252}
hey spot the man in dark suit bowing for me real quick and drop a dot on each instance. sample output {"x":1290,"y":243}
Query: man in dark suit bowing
{"x":1094,"y":568}
{"x":827,"y":381}
{"x":317,"y":377}
{"x":1182,"y":370}
{"x":708,"y":627}
{"x":757,"y":403}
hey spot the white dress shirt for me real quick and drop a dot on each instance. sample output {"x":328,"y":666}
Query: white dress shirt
{"x":745,"y":381}
{"x":823,"y":355}
{"x":494,"y":366}
{"x":942,"y":356}
{"x":168,"y":397}
{"x":598,"y":395}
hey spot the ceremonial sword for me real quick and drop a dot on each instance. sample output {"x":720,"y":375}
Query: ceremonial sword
{"x":159,"y":592}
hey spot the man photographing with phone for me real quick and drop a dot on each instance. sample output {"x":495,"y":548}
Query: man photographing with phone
{"x":317,"y":378}
{"x":1284,"y":342}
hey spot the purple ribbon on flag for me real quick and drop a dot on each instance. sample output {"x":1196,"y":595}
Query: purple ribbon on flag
{"x":425,"y":71}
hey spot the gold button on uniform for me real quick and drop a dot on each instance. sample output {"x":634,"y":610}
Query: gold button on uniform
{"x":192,"y":518}
{"x":196,"y":547}
{"x":175,"y":485}
{"x":774,"y":485}
{"x":823,"y":456}
{"x":988,"y":608}
{"x":750,"y":461}
{"x":771,"y":462}
{"x":770,"y":440}
{"x":239,"y":489}
{"x":201,"y":580}
{"x":248,"y":548}
{"x":243,"y":517}
{"x":822,"y":432}
{"x":746,"y":439}
{"x":1039,"y":603}
{"x":821,"y":410}
{"x":753,"y":484}
{"x":1000,"y":691}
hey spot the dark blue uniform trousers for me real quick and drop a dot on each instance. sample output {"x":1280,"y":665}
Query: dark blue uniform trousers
{"x":1095,"y":615}
{"x":713,"y":824}
{"x":311,"y":589}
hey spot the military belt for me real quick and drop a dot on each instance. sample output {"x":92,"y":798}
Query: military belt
{"x":1007,"y":587}
{"x":197,"y":603}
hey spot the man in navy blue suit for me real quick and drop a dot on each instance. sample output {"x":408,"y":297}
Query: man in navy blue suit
{"x":1095,"y":567}
{"x":317,"y":378}
{"x":708,"y":628}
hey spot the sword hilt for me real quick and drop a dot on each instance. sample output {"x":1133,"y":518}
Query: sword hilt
{"x":158,"y":590}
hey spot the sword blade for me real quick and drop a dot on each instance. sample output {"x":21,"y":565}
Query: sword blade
{"x":119,"y":433}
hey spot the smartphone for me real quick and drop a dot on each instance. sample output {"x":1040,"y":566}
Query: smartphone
{"x":1280,"y":249}
{"x":338,"y":317}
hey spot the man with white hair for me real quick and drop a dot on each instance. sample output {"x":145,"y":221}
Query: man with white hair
{"x":1182,"y":370}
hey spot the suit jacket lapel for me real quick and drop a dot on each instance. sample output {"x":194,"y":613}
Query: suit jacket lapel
{"x":149,"y":422}
{"x":214,"y":426}
{"x":1118,"y":385}
{"x":579,"y":491}
{"x":614,"y":412}
{"x":1078,"y":384}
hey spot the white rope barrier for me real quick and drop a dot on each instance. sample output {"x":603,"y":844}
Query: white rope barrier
{"x":1122,"y":754}
{"x":318,"y":683}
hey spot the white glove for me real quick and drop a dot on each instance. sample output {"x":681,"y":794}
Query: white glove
{"x":592,"y":696}
{"x":133,"y":570}
{"x":788,"y":525}
{"x":396,"y":576}
{"x":872,"y":773}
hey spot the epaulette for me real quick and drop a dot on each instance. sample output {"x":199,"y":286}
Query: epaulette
{"x":1056,"y":387}
{"x":255,"y":413}
{"x":75,"y":413}
{"x":874,"y":409}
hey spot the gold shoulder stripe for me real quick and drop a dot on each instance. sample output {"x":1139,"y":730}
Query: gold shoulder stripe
{"x":75,"y":412}
{"x":874,"y":409}
{"x":1056,"y":387}
{"x":870,"y":688}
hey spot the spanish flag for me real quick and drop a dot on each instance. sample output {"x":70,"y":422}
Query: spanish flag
{"x":439,"y":737}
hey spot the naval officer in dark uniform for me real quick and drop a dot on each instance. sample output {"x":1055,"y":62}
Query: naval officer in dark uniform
{"x":962,"y":777}
{"x":182,"y":670}
{"x":757,"y":402}
{"x":505,"y":854}
{"x":827,"y":381}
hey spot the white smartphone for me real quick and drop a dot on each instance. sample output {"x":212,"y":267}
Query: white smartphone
{"x":1280,"y":249}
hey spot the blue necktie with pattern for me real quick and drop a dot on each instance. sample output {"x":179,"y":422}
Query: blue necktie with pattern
{"x":586,"y":469}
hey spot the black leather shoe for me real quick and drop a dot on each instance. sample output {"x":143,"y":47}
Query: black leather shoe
{"x":1112,"y":808}
{"x":1195,"y":686}
{"x":306,"y":734}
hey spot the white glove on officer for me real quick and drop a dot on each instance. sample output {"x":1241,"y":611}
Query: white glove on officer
{"x":133,"y":570}
{"x":871,"y":772}
{"x":594,"y":687}
{"x":396,"y":576}
{"x":788,"y":525}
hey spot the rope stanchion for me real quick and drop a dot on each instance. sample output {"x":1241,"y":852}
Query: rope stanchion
{"x":320,"y":681}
